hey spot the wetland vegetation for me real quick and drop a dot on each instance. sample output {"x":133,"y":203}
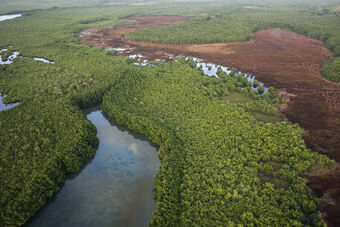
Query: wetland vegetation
{"x":232,"y":24}
{"x":227,"y":157}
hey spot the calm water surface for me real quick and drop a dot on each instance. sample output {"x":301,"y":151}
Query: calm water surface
{"x":4,"y":106}
{"x":8,"y":17}
{"x":114,"y":189}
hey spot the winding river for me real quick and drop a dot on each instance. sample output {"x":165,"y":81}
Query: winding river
{"x":114,"y":189}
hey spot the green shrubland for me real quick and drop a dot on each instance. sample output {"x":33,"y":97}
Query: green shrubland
{"x":221,"y":163}
{"x":331,"y":70}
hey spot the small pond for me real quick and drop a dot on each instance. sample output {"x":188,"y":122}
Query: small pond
{"x":6,"y":106}
{"x":114,"y":189}
{"x":9,"y":59}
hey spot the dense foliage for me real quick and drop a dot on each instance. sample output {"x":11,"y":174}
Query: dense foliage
{"x":220,"y":163}
{"x":38,"y":147}
{"x":207,"y":29}
{"x":47,"y":135}
{"x":331,"y":70}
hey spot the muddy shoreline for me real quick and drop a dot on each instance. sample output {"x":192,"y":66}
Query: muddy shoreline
{"x":278,"y":58}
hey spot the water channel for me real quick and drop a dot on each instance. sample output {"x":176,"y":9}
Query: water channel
{"x":114,"y":189}
{"x":8,"y":17}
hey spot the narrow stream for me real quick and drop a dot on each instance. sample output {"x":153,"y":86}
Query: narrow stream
{"x":207,"y":68}
{"x":43,"y":60}
{"x":114,"y":189}
{"x":15,"y":54}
